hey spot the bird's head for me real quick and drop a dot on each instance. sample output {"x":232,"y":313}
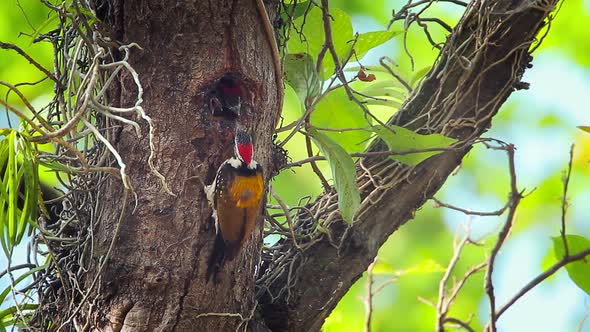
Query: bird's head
{"x":244,"y":148}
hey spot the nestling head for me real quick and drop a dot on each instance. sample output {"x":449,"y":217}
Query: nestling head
{"x":232,"y":92}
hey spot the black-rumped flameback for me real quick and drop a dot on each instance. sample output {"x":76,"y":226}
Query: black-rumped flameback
{"x":235,"y":196}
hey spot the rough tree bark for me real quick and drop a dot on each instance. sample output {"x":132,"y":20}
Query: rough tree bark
{"x":155,"y":279}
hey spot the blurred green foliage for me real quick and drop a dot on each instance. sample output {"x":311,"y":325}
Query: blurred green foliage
{"x":19,"y":21}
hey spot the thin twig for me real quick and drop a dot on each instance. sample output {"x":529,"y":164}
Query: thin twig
{"x":369,"y":299}
{"x":498,"y":212}
{"x":392,"y":73}
{"x":460,"y":323}
{"x":329,"y":43}
{"x":566,"y":259}
{"x":312,"y":162}
{"x":515,"y":197}
{"x":564,"y":203}
{"x":442,"y":304}
{"x":8,"y":46}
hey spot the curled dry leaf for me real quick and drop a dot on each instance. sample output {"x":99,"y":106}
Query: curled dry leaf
{"x":362,"y":75}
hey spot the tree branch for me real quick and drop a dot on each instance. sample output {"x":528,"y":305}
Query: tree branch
{"x":477,"y":70}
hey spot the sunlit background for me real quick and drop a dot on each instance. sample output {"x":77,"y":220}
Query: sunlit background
{"x":541,"y":122}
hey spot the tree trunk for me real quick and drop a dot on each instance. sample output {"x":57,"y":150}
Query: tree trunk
{"x":155,"y":277}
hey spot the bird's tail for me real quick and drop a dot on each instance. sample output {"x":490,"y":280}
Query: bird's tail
{"x":217,"y":258}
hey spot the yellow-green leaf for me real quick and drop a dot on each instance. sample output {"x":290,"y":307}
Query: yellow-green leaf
{"x":579,"y":271}
{"x":402,"y":139}
{"x":294,"y":9}
{"x":343,"y":173}
{"x":369,"y":40}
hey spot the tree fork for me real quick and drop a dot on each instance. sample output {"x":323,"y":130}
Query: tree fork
{"x":154,"y":279}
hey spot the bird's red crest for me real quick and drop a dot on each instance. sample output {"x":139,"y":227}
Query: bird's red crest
{"x":245,"y":151}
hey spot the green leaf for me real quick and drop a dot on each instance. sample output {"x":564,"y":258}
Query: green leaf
{"x":301,"y":75}
{"x":11,"y":185}
{"x":390,"y":93}
{"x":579,"y":271}
{"x":30,"y":169}
{"x":335,"y":111}
{"x":402,"y":139}
{"x":341,"y":31}
{"x":385,"y":88}
{"x":424,"y":267}
{"x":7,"y":317}
{"x":369,"y":40}
{"x":382,"y":268}
{"x":20,"y":189}
{"x":4,"y":195}
{"x":308,"y":37}
{"x":294,"y":9}
{"x":584,"y":128}
{"x":5,"y":131}
{"x":6,"y":314}
{"x":343,"y":173}
{"x":55,"y":165}
{"x":311,"y":38}
{"x":549,"y":259}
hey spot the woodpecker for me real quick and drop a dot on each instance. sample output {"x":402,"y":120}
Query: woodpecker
{"x":235,"y":196}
